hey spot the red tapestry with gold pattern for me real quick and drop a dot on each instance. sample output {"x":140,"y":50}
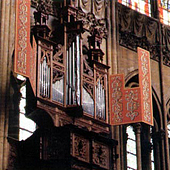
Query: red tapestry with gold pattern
{"x":116,"y":95}
{"x":33,"y":61}
{"x":22,"y":37}
{"x":145,"y":85}
{"x":132,"y":105}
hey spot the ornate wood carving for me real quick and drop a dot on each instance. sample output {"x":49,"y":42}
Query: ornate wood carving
{"x":45,"y":6}
{"x":58,"y":54}
{"x":100,"y":154}
{"x":81,"y":148}
{"x":92,"y":24}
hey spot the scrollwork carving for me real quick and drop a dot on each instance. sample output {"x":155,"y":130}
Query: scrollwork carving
{"x":92,"y":24}
{"x":81,"y":148}
{"x":87,"y":69}
{"x":57,"y":75}
{"x":90,"y":88}
{"x":45,"y":6}
{"x":58,"y":54}
{"x":100,"y":154}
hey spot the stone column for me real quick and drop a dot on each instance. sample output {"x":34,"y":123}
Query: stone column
{"x":163,"y":158}
{"x":7,"y":32}
{"x":137,"y":129}
{"x":112,"y":61}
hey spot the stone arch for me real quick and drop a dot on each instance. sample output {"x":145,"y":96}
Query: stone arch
{"x":42,"y":118}
{"x":168,"y":111}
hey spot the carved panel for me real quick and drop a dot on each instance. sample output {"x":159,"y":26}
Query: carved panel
{"x":100,"y":154}
{"x":80,"y":148}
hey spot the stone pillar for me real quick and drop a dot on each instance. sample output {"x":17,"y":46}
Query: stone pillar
{"x":137,"y":129}
{"x":162,"y":137}
{"x":112,"y":62}
{"x":7,"y":32}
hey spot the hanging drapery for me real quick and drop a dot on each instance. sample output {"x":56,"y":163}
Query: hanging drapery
{"x":135,"y":23}
{"x":99,"y":8}
{"x":85,"y":5}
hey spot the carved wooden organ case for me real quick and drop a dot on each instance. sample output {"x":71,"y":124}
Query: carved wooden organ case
{"x":69,"y":45}
{"x":70,"y":81}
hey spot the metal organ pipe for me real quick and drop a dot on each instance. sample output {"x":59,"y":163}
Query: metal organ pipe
{"x":70,"y":74}
{"x":78,"y":69}
{"x":73,"y":72}
{"x":44,"y":78}
{"x":67,"y":82}
{"x":40,"y":78}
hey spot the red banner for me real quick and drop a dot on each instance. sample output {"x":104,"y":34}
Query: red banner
{"x":33,"y":61}
{"x":145,"y":85}
{"x":132,"y":105}
{"x":22,"y":37}
{"x":116,"y":98}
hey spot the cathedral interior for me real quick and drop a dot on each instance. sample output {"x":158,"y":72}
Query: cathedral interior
{"x":84,"y":85}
